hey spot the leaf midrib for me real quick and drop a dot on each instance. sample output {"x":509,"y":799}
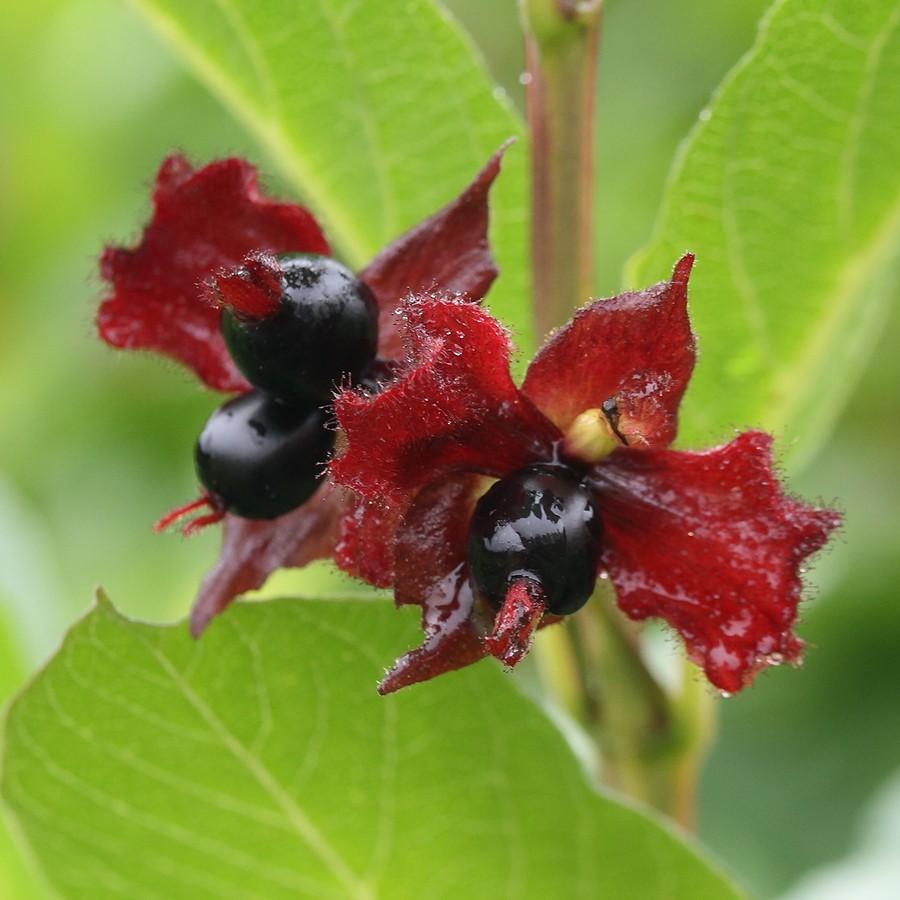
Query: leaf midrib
{"x":300,"y":822}
{"x":857,"y":271}
{"x":356,"y":248}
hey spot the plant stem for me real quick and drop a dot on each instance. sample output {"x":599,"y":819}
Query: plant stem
{"x":561,"y":44}
{"x":650,"y":742}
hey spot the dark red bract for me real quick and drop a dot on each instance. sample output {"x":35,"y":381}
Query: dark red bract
{"x":207,"y":224}
{"x":204,"y":222}
{"x":707,"y":541}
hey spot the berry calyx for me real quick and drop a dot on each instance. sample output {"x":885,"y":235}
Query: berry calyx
{"x":299,"y":327}
{"x":259,"y":458}
{"x":514,"y":626}
{"x":250,"y":292}
{"x":541,"y":523}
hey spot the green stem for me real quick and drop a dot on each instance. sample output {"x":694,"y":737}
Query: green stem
{"x":650,"y":742}
{"x":561,"y":44}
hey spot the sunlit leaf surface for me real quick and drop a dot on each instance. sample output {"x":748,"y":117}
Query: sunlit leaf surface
{"x":260,"y":762}
{"x":788,"y":191}
{"x":378,"y":114}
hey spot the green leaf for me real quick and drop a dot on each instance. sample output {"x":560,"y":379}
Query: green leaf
{"x":260,"y":762}
{"x":378,"y":117}
{"x":789,"y":194}
{"x":16,"y":881}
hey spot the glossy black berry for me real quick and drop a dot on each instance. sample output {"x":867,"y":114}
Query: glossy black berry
{"x":259,"y":458}
{"x":325,"y":329}
{"x":538,"y":521}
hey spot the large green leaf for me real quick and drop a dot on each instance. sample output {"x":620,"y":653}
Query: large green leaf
{"x":378,"y":114}
{"x":16,"y":882}
{"x":789,"y":194}
{"x":260,"y":762}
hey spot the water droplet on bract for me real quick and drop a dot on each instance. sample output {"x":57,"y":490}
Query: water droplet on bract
{"x":499,"y":93}
{"x":705,"y":115}
{"x":525,"y":78}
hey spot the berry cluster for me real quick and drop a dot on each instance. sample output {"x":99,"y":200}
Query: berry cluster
{"x":297,"y":328}
{"x":586,"y":484}
{"x":209,"y":284}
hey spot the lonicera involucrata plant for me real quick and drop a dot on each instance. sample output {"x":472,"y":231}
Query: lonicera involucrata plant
{"x":373,"y":420}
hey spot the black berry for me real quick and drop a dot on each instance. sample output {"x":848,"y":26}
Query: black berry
{"x":259,"y":458}
{"x":539,"y":521}
{"x":325,"y":328}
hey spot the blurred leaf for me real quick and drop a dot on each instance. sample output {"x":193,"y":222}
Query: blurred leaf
{"x":15,"y":879}
{"x":259,"y":761}
{"x":783,"y":738}
{"x":872,"y":871}
{"x":789,"y":193}
{"x":377,"y":118}
{"x":804,"y":751}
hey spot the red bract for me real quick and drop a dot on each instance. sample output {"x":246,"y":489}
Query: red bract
{"x":707,"y":541}
{"x":206,"y":223}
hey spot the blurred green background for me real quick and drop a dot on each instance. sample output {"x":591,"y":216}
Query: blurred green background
{"x":803,"y":787}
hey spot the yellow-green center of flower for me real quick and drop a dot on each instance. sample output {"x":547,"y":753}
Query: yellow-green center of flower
{"x":592,"y":436}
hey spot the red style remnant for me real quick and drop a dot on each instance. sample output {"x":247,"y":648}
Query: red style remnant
{"x":251,"y":290}
{"x":212,"y":236}
{"x":707,"y":541}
